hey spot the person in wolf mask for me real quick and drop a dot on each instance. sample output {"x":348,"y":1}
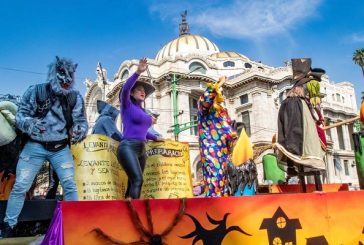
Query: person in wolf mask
{"x":51,"y":114}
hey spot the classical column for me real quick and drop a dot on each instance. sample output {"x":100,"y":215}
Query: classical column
{"x":335,"y":139}
{"x":262,"y":117}
{"x":330,"y":168}
{"x":346,"y":137}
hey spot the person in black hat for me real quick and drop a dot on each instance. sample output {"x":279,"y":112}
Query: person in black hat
{"x":136,"y":122}
{"x":298,"y":138}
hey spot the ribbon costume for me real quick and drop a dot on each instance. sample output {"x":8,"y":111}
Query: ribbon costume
{"x":216,"y":138}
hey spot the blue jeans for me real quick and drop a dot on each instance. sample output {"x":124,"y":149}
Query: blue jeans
{"x":30,"y":162}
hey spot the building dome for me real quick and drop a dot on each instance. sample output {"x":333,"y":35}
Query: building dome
{"x":187,"y":44}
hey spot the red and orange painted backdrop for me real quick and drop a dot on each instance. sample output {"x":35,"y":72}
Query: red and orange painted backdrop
{"x":316,"y":218}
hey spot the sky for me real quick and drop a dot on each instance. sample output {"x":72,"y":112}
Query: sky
{"x":111,"y":31}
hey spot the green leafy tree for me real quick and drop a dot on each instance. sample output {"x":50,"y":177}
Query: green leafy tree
{"x":358,"y":58}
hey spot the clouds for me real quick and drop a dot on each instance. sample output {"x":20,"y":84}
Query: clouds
{"x":357,"y":38}
{"x":249,"y":19}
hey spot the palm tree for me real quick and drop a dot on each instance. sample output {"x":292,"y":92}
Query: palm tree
{"x":358,"y":58}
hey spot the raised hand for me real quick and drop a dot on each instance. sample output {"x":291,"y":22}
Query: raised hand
{"x":78,"y":135}
{"x":142,"y":66}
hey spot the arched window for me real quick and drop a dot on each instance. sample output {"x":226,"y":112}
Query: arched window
{"x":125,"y":75}
{"x":248,"y":65}
{"x":197,"y":68}
{"x":228,"y":64}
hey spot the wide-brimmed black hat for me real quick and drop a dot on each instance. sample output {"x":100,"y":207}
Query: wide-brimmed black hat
{"x":303,"y":72}
{"x":148,"y":87}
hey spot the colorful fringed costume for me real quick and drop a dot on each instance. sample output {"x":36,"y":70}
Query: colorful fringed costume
{"x":216,"y":138}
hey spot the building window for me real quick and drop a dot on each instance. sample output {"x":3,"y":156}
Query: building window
{"x":333,"y":97}
{"x":194,"y":130}
{"x":337,"y":166}
{"x":193,"y":115}
{"x":125,"y":75}
{"x":338,"y":98}
{"x":228,"y":64}
{"x":343,"y":99}
{"x":341,"y":137}
{"x":248,"y":65}
{"x":246,"y":122}
{"x":346,"y":167}
{"x":197,"y":67}
{"x":244,"y":99}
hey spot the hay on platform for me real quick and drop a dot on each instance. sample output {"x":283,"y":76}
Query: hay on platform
{"x":261,"y":150}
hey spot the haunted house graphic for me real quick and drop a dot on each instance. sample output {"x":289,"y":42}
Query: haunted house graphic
{"x":281,"y":230}
{"x":318,"y":240}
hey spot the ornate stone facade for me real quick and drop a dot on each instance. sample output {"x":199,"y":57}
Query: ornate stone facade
{"x":253,"y":93}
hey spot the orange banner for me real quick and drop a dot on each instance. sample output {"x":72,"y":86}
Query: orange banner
{"x":315,"y":218}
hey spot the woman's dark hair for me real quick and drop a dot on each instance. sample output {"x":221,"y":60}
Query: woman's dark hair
{"x":134,"y":101}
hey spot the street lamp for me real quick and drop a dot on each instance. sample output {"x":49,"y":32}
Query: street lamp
{"x":177,"y":127}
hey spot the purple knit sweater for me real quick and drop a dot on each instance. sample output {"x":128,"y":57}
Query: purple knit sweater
{"x":136,"y":121}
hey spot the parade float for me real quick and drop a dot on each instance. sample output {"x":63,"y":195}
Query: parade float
{"x":276,"y":212}
{"x":169,"y":214}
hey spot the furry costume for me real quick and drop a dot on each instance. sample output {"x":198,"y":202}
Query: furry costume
{"x":28,"y":119}
{"x":216,"y":139}
{"x":47,"y":124}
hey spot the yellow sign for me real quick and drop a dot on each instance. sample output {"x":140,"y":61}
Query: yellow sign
{"x":167,"y":172}
{"x":98,"y":173}
{"x":99,"y":176}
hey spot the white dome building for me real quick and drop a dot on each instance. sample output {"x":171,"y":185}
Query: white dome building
{"x":253,"y":92}
{"x":187,"y":44}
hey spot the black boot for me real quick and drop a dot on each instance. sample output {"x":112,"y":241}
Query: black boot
{"x":7,"y":231}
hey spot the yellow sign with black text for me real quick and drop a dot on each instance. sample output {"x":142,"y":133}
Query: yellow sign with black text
{"x":99,"y":176}
{"x":167,"y":173}
{"x":98,"y":173}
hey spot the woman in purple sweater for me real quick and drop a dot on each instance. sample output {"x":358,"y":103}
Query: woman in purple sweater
{"x":136,"y":122}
